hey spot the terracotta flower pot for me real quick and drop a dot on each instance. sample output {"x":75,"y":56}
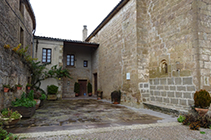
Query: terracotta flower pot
{"x":37,"y":103}
{"x":201,"y":111}
{"x":19,"y":88}
{"x":28,"y":88}
{"x":52,"y":97}
{"x":90,"y":94}
{"x":76,"y":94}
{"x":6,"y":89}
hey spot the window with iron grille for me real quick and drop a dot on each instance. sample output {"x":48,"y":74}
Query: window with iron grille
{"x":70,"y":60}
{"x":46,"y":55}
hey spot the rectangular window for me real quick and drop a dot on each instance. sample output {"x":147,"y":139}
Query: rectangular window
{"x":70,"y":60}
{"x":46,"y":55}
{"x":21,"y":37}
{"x":85,"y":63}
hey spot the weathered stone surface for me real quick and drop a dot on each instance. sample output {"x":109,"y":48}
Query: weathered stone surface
{"x":183,"y":102}
{"x":187,"y":95}
{"x":181,"y":88}
{"x":187,"y":81}
{"x":156,"y":81}
{"x":179,"y":94}
{"x":174,"y":101}
{"x":152,"y":87}
{"x":171,"y":81}
{"x":170,"y":94}
{"x":163,"y":81}
{"x":12,"y":67}
{"x":191,"y":88}
{"x":159,"y":87}
{"x":172,"y":88}
{"x":178,"y":81}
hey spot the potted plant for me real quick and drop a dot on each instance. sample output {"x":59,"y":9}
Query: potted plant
{"x":116,"y":97}
{"x":9,"y":117}
{"x":202,"y":101}
{"x":28,"y":86}
{"x":18,"y":86}
{"x":52,"y":91}
{"x":99,"y":94}
{"x":76,"y":89}
{"x":42,"y":98}
{"x":25,"y":105}
{"x":6,"y":88}
{"x":37,"y":96}
{"x":89,"y":87}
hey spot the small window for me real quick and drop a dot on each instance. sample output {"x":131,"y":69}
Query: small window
{"x":70,"y":60}
{"x":21,"y":37}
{"x":85,"y":63}
{"x":21,"y":8}
{"x":46,"y":55}
{"x":164,"y":67}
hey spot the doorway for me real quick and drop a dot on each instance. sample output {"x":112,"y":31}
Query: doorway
{"x":83,"y":86}
{"x":95,"y":83}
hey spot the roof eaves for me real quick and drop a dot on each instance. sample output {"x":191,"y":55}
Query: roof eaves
{"x":64,"y":40}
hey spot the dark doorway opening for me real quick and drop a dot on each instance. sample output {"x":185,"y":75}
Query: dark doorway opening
{"x":95,"y":83}
{"x":83,"y":85}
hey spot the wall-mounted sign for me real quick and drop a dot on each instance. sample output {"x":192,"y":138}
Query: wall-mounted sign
{"x":128,"y":76}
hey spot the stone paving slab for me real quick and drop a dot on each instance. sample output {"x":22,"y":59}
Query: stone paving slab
{"x":80,"y":114}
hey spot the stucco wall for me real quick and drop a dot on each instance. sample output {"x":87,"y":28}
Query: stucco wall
{"x":56,"y":59}
{"x":78,"y":72}
{"x":12,"y":69}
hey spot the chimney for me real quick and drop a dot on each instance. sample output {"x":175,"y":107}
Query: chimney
{"x":84,"y":33}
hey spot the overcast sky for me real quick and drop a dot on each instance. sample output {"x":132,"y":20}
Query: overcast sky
{"x":65,"y":18}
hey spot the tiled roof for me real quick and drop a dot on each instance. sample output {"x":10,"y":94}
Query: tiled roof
{"x":65,"y":40}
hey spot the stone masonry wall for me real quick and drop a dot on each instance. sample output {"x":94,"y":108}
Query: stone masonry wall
{"x":117,"y":55}
{"x":12,"y":69}
{"x":204,"y":40}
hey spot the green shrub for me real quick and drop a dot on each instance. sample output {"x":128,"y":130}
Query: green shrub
{"x":76,"y":87}
{"x":181,"y":118}
{"x":6,"y":86}
{"x":52,"y":89}
{"x":202,"y":99}
{"x":25,"y":101}
{"x":43,"y":96}
{"x":7,"y":113}
{"x":89,"y":87}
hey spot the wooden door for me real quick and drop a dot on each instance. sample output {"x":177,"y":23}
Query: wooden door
{"x":83,"y":85}
{"x":95,"y":83}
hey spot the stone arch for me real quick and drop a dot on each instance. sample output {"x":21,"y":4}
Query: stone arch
{"x":163,"y":67}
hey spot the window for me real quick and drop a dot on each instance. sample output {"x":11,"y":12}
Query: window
{"x":70,"y":60}
{"x":21,"y":37}
{"x":21,"y":8}
{"x":163,"y":67}
{"x":85,"y":63}
{"x":46,"y":55}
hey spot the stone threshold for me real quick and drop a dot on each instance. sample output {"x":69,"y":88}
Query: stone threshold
{"x":167,"y":109}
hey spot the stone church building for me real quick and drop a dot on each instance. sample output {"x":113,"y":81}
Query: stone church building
{"x":156,"y":52}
